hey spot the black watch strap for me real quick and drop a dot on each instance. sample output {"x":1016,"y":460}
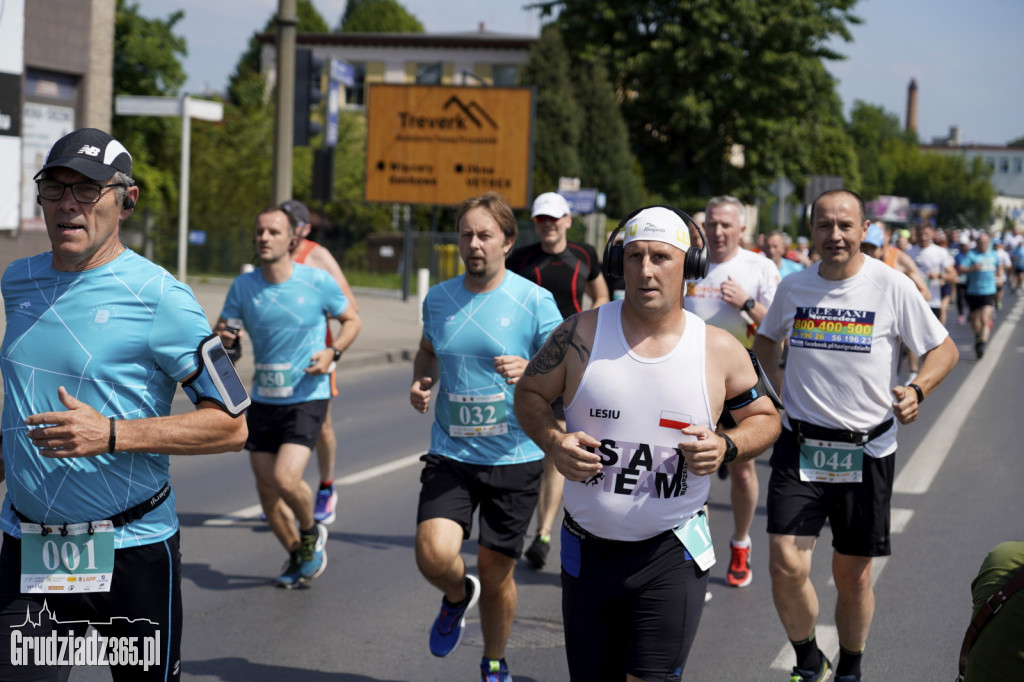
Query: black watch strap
{"x":337,"y":354}
{"x":918,"y":391}
{"x":748,"y":305}
{"x":730,"y":448}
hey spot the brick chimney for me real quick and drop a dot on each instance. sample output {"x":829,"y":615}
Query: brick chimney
{"x":912,"y":106}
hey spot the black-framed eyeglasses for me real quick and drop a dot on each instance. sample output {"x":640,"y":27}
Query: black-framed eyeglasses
{"x":83,"y":192}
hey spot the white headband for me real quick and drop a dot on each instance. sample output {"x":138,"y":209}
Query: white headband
{"x":658,"y":224}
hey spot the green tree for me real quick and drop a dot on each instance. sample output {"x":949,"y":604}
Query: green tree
{"x":147,"y":61}
{"x":606,"y":161}
{"x":697,"y":76}
{"x":962,"y":189}
{"x":236,"y":162}
{"x":248,"y":67}
{"x":878,"y":139}
{"x":559,"y":121}
{"x":378,"y":16}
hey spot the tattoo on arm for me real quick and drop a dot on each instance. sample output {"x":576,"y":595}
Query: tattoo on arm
{"x":555,"y":348}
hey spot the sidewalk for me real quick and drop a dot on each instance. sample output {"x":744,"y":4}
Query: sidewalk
{"x":391,"y":329}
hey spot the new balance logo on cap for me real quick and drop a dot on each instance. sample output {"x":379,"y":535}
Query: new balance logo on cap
{"x":93,"y":153}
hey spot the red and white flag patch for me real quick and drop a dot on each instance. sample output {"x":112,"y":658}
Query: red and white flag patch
{"x":674,"y":420}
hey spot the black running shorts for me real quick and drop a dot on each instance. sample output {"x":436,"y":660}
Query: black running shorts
{"x":976,"y":302}
{"x":506,"y":496}
{"x":144,"y":602}
{"x":633,"y":607}
{"x":858,"y":512}
{"x":270,"y":426}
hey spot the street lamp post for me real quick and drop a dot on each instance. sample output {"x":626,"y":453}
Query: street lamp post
{"x":187,"y":108}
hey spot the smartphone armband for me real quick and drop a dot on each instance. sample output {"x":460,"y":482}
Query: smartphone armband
{"x":216,"y":379}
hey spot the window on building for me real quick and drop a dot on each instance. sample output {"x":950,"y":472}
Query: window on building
{"x":1004,"y":164}
{"x":990,"y":162}
{"x":356,"y":95}
{"x":505,"y":75}
{"x":1018,"y":165}
{"x":429,"y":74}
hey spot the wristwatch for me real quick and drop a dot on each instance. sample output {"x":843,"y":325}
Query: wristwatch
{"x":748,"y":305}
{"x":337,"y":354}
{"x":730,"y":449}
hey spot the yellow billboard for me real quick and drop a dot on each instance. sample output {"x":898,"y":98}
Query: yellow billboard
{"x":436,"y":144}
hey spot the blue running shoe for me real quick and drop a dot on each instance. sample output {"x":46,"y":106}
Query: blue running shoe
{"x":313,"y":553}
{"x":450,"y":623}
{"x":494,"y":671}
{"x":323,"y":509}
{"x":290,"y":577}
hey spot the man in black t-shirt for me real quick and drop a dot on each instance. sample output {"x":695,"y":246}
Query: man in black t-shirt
{"x":568,"y":270}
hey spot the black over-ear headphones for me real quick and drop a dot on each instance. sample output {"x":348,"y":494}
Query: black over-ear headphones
{"x":694,"y":267}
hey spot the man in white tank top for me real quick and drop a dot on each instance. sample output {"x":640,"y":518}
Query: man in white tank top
{"x":643,"y":383}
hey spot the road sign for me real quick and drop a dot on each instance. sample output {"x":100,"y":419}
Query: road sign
{"x":429,"y":144}
{"x":819,"y":184}
{"x":781,"y":188}
{"x":343,"y":72}
{"x":581,"y":201}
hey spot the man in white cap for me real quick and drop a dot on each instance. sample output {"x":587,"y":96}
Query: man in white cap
{"x":566,"y":269}
{"x":644,"y":383}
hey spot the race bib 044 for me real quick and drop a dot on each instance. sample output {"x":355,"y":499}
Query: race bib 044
{"x":823,"y":461}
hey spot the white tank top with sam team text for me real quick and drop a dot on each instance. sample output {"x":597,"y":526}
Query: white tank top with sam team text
{"x":636,"y":406}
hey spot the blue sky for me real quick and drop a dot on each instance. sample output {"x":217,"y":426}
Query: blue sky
{"x":965,"y":56}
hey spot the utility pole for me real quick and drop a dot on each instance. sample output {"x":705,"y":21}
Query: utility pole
{"x":284,"y":115}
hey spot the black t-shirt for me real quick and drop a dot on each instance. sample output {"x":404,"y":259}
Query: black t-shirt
{"x":564,"y":274}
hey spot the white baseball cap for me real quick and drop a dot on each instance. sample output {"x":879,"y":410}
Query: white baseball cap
{"x":658,"y":224}
{"x":550,"y":204}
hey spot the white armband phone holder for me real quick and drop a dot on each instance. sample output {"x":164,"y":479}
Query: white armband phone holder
{"x":216,"y":379}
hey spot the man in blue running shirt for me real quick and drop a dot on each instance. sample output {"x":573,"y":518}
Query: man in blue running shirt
{"x":97,"y":339}
{"x":284,"y":306}
{"x":479,"y":329}
{"x":983,"y":270}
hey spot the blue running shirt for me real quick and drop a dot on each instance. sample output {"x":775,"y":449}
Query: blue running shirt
{"x":119,"y":338}
{"x":467,"y":331}
{"x":981,"y":282}
{"x":287,"y":323}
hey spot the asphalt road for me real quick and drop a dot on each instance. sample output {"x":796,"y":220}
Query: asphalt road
{"x":366,"y":619}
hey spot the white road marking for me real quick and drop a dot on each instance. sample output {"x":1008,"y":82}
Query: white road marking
{"x":252,"y":512}
{"x":828,"y":642}
{"x":918,"y":473}
{"x":827,"y":635}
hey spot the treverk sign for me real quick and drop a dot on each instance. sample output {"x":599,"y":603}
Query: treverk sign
{"x":429,"y":144}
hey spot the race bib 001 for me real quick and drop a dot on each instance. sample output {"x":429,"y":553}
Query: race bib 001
{"x":824,"y":461}
{"x":78,"y":561}
{"x":477,"y":415}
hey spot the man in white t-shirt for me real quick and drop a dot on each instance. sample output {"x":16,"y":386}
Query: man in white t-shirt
{"x":937,"y":267}
{"x":735,"y":296}
{"x":844,"y":318}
